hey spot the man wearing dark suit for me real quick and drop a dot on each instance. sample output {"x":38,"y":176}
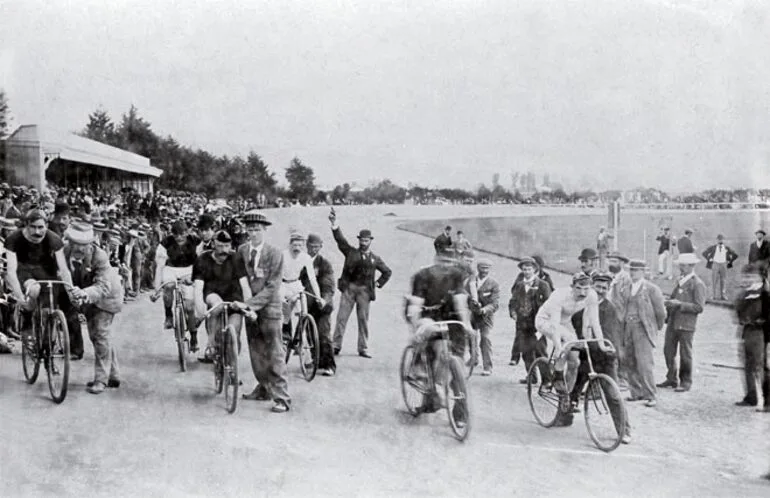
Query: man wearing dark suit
{"x":99,"y":293}
{"x":719,"y":259}
{"x":759,"y":251}
{"x":528,"y":294}
{"x":264,"y":266}
{"x":357,"y":285}
{"x":324,"y":274}
{"x":131,"y":256}
{"x":687,"y":301}
{"x":482,"y":318}
{"x":443,"y":241}
{"x":684,"y":244}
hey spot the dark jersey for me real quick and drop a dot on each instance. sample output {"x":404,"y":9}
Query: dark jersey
{"x":436,"y":285}
{"x":220,"y":278}
{"x":181,"y":256}
{"x":36,"y":261}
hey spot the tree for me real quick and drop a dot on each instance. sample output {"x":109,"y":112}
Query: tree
{"x":136,"y":135}
{"x":5,"y":116}
{"x":100,"y":128}
{"x":264,"y":180}
{"x":301,"y":181}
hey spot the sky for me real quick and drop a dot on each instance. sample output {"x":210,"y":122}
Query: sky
{"x":599,"y":94}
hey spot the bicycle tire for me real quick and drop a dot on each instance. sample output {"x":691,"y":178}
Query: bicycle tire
{"x":230,"y":370}
{"x":30,"y":354}
{"x":308,"y":346}
{"x":409,"y":385}
{"x":458,"y":403}
{"x":543,"y":398}
{"x":219,"y":362}
{"x":58,"y":338}
{"x":604,"y":429}
{"x":179,"y":334}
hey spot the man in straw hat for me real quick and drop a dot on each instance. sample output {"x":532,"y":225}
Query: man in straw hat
{"x":357,"y":284}
{"x":687,"y":301}
{"x":99,"y":294}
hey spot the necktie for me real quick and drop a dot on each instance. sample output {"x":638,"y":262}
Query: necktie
{"x":76,"y":274}
{"x":253,"y":259}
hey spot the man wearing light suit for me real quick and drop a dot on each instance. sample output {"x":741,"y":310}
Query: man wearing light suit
{"x":482,"y":318}
{"x":98,"y":293}
{"x":264,"y":268}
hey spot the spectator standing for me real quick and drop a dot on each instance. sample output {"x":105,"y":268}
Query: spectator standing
{"x":619,"y":293}
{"x":482,"y":318}
{"x":528,"y":294}
{"x":752,"y":307}
{"x":461,"y":245}
{"x":719,"y":258}
{"x":684,"y":244}
{"x":541,"y":273}
{"x":664,"y":253}
{"x":444,"y":241}
{"x":759,"y":251}
{"x":603,"y":246}
{"x":645,"y":315}
{"x":589,"y":260}
{"x":687,"y":301}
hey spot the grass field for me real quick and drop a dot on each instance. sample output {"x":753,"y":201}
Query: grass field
{"x":559,"y":239}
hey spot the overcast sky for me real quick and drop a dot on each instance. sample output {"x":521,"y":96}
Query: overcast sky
{"x":607,"y":93}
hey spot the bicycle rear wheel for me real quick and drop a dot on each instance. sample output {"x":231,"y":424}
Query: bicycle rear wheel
{"x":58,"y":337}
{"x":179,"y":336}
{"x":413,"y":384}
{"x":30,"y":353}
{"x":230,"y":370}
{"x":543,"y":398}
{"x":604,"y":412}
{"x":457,"y":399}
{"x":308,"y":347}
{"x":219,"y":362}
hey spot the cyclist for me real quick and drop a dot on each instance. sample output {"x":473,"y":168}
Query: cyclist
{"x":439,"y":293}
{"x":175,"y":257}
{"x":554,"y":322}
{"x":295,"y":259}
{"x":219,"y":275}
{"x":35,"y":253}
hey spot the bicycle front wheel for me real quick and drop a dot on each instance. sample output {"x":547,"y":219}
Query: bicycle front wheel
{"x":604,"y":412}
{"x":543,"y":398}
{"x":308,"y":347}
{"x":58,"y":356}
{"x":457,"y":400}
{"x":413,"y":387}
{"x":179,"y":336}
{"x":229,"y":359}
{"x":30,"y":354}
{"x":219,"y":362}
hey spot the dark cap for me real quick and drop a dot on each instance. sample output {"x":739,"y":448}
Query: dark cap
{"x":600,"y":276}
{"x":528,"y":261}
{"x":580,"y":278}
{"x":314,"y":239}
{"x":179,"y":227}
{"x":762,"y":231}
{"x":223,"y":236}
{"x":61,"y":208}
{"x":206,"y":222}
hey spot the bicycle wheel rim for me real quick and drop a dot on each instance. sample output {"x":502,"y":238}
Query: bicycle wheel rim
{"x":457,"y":400}
{"x":543,"y":399}
{"x":219,"y":367}
{"x":179,"y":335}
{"x":605,"y":428}
{"x":30,"y":355}
{"x":412,"y":389}
{"x":58,"y":355}
{"x":230,"y":371}
{"x":308,"y":348}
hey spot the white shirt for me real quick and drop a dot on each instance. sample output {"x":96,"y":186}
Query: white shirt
{"x":720,"y":254}
{"x":684,"y":279}
{"x":635,"y":286}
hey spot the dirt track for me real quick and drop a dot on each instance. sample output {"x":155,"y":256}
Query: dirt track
{"x":165,"y":433}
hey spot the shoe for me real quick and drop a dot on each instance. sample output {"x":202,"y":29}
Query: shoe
{"x":486,"y":373}
{"x":364,"y":354}
{"x":336,"y":351}
{"x":764,"y":409}
{"x":682,"y":389}
{"x":113,"y":383}
{"x":513,"y":363}
{"x":668,"y":383}
{"x":257,"y":395}
{"x":651,"y":403}
{"x":96,"y":388}
{"x":193,"y":344}
{"x":169,"y":323}
{"x":327,"y":372}
{"x":208,"y":356}
{"x":575,"y":407}
{"x":633,"y":399}
{"x":76,"y":357}
{"x":279,"y":407}
{"x":626,"y":439}
{"x":746,"y":402}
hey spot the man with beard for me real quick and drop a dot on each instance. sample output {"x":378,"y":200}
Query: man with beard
{"x":324,"y":274}
{"x":589,"y":261}
{"x":219,"y":275}
{"x":620,"y":291}
{"x":99,"y":293}
{"x":35,"y":253}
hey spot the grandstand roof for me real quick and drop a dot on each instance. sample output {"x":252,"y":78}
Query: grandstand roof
{"x":79,"y":149}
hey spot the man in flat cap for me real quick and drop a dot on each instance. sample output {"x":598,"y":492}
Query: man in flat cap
{"x":482,"y":317}
{"x":759,"y":251}
{"x":719,"y":258}
{"x":206,"y":226}
{"x":324,"y":273}
{"x":357,"y":284}
{"x":264,"y":267}
{"x":688,"y":298}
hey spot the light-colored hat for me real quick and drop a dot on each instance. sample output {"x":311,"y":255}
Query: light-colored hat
{"x":637,"y":264}
{"x":688,"y":258}
{"x":484,"y":262}
{"x":296,"y":235}
{"x":133,"y":233}
{"x":80,"y":233}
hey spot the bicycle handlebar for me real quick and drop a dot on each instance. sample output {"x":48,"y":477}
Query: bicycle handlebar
{"x":583,"y":343}
{"x":176,"y":281}
{"x":443,"y":327}
{"x":55,"y":282}
{"x":232,"y":306}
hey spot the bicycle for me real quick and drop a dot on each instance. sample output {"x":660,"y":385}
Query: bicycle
{"x":605,"y":426}
{"x":226,"y":352}
{"x":305,"y":340}
{"x":418,"y":376}
{"x":51,"y":348}
{"x":179,"y":317}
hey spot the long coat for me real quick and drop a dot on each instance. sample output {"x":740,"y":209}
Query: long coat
{"x":693,"y":297}
{"x":355,"y":262}
{"x":265,"y":282}
{"x":98,"y":279}
{"x":489,"y":302}
{"x":652,"y":309}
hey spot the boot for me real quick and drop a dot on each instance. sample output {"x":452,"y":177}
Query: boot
{"x":169,"y":323}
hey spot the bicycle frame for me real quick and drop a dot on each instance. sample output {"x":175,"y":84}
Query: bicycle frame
{"x":583,"y":344}
{"x":41,"y":311}
{"x":443,"y":353}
